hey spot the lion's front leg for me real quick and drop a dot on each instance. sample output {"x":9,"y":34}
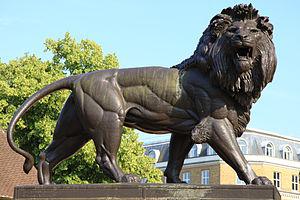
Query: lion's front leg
{"x":223,"y":141}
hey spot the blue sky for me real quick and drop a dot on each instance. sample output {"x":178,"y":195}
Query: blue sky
{"x":152,"y":33}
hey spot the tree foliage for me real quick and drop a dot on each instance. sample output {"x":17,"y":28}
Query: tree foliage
{"x":78,"y":58}
{"x":21,"y":77}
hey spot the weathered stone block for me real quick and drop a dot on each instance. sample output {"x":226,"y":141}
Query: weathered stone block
{"x":145,"y":191}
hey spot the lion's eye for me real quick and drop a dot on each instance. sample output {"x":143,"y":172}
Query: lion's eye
{"x":232,"y":29}
{"x":254,"y":30}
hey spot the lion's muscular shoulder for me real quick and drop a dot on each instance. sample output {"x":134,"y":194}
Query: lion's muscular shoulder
{"x":210,"y":100}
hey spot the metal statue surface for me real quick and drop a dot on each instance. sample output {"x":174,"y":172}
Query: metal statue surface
{"x":206,"y":98}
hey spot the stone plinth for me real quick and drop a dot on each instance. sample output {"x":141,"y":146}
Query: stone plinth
{"x":145,"y":191}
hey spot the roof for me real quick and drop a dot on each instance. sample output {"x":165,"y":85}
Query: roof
{"x":256,"y":141}
{"x":272,"y":134}
{"x":11,"y":169}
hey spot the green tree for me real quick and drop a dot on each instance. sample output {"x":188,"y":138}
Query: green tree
{"x":18,"y":80}
{"x":23,"y":76}
{"x":77,"y":58}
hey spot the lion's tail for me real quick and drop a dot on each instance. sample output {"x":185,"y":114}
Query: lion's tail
{"x":65,"y":83}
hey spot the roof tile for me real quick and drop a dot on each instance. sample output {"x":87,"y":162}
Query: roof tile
{"x":11,"y":169}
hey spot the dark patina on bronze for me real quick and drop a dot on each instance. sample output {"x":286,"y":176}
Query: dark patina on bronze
{"x":206,"y":98}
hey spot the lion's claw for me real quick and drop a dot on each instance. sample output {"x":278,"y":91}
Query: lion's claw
{"x":261,"y":180}
{"x":131,"y":178}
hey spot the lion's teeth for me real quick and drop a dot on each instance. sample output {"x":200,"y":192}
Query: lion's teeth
{"x":248,"y":85}
{"x":244,"y":75}
{"x":238,"y":83}
{"x":247,"y":75}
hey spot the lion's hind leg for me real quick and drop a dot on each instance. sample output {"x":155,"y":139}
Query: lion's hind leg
{"x":50,"y":158}
{"x":107,"y":138}
{"x":103,"y":116}
{"x":67,"y":139}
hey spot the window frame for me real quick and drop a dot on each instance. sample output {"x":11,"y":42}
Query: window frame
{"x":188,"y":178}
{"x":156,"y":154}
{"x":270,"y":151}
{"x":295,"y":183}
{"x":193,"y":152}
{"x":205,"y":177}
{"x":288,"y":152}
{"x":210,"y":151}
{"x":277,"y":179}
{"x":241,"y":140}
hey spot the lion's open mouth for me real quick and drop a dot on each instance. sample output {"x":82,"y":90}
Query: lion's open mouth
{"x":244,"y":53}
{"x":243,"y":58}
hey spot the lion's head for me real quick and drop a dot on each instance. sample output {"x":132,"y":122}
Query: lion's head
{"x":237,"y":52}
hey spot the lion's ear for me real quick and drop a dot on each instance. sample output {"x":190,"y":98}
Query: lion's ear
{"x":220,"y":18}
{"x":264,"y":25}
{"x":218,"y":24}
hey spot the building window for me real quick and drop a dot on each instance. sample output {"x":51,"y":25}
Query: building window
{"x":186,"y":176}
{"x":210,"y":151}
{"x":243,"y":146}
{"x":269,"y":150}
{"x":287,"y":153}
{"x":277,"y":177}
{"x":239,"y":181}
{"x":195,"y":151}
{"x":297,"y":152}
{"x":295,"y":182}
{"x":205,"y":177}
{"x":154,"y":153}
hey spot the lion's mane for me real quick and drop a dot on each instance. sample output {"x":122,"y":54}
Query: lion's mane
{"x":211,"y":57}
{"x":213,"y":60}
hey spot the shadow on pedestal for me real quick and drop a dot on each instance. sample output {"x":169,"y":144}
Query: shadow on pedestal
{"x":145,"y":191}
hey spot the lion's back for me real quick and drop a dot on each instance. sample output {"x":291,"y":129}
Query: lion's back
{"x":156,"y":81}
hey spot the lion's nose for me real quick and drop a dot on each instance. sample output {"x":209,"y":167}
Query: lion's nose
{"x":242,"y":36}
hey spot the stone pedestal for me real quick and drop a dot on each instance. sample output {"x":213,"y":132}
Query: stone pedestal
{"x":145,"y":191}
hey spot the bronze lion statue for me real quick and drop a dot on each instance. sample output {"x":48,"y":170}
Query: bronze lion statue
{"x":206,"y":98}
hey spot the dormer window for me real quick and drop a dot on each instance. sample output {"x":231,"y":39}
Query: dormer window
{"x":210,"y":151}
{"x":297,"y":152}
{"x":154,"y":153}
{"x":195,"y":151}
{"x":287,"y":153}
{"x":243,"y":146}
{"x":269,"y":149}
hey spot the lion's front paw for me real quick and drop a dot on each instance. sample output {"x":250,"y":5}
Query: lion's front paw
{"x":131,"y":178}
{"x":261,"y":180}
